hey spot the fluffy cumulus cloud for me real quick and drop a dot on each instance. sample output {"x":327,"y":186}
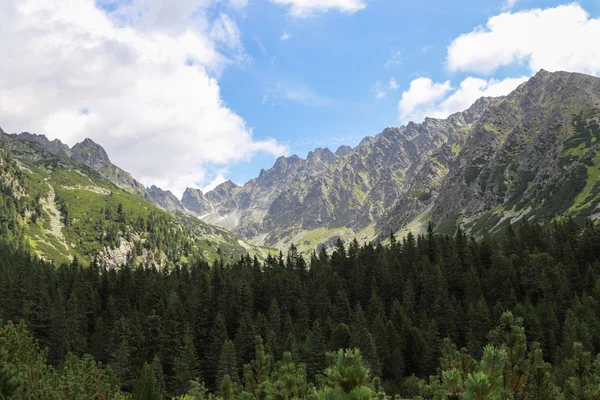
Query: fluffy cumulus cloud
{"x":426,"y":98}
{"x":422,"y":93}
{"x":305,"y":8}
{"x":559,"y":38}
{"x":147,"y":92}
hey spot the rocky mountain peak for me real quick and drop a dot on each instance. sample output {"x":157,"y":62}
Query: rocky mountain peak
{"x":55,"y":146}
{"x":226,"y":186}
{"x":91,"y":154}
{"x":343,"y":151}
{"x":195,"y":201}
{"x":323,"y":155}
{"x":164,"y":198}
{"x":193,"y":192}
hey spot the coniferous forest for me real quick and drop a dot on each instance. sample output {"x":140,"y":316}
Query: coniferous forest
{"x":514,"y":316}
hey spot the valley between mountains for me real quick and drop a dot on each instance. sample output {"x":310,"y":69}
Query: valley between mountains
{"x":531,"y":155}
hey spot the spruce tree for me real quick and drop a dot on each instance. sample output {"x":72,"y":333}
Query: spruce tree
{"x":227,"y":363}
{"x":186,"y":365}
{"x":145,"y":386}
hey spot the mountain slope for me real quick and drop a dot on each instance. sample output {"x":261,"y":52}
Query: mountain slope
{"x":532,"y":155}
{"x":344,"y":194}
{"x":533,"y":152}
{"x":92,"y":155}
{"x":65,"y":209}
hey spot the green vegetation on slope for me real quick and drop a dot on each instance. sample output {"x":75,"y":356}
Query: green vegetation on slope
{"x":65,"y":210}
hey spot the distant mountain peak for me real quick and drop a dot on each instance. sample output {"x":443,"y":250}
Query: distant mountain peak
{"x":343,"y":150}
{"x":195,"y":201}
{"x":164,"y":198}
{"x":91,"y":154}
{"x":226,"y":186}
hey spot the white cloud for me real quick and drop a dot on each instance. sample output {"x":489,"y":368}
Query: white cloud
{"x":560,"y":38}
{"x":422,"y":92}
{"x":298,"y":93}
{"x":239,"y":4}
{"x":150,"y":95}
{"x":395,"y":59}
{"x":285,"y":36}
{"x":509,"y":4}
{"x":379,"y":90}
{"x":218,"y":179}
{"x":306,"y":8}
{"x":224,"y":30}
{"x":393,"y":84}
{"x":380,"y":94}
{"x":438,"y":105}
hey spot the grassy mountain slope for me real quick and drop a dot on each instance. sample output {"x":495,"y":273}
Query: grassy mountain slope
{"x":69,"y":210}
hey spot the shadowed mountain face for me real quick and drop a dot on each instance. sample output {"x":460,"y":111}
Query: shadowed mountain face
{"x":530,"y":154}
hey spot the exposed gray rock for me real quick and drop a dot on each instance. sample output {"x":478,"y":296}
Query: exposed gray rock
{"x":343,"y":151}
{"x":91,"y":154}
{"x":501,"y":152}
{"x":164,"y":199}
{"x":194,"y":200}
{"x":55,"y":146}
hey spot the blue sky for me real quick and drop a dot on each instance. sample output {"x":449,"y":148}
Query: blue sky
{"x":340,"y":60}
{"x":193,"y":92}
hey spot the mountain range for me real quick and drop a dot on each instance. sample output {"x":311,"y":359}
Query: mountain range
{"x":530,"y":155}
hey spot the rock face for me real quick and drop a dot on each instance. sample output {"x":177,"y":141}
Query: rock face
{"x":530,"y":154}
{"x":55,"y":146}
{"x":91,"y":155}
{"x":164,"y":199}
{"x":343,"y":151}
{"x":194,"y":200}
{"x":533,"y":155}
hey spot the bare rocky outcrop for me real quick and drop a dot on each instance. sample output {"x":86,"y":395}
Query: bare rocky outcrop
{"x":506,"y":152}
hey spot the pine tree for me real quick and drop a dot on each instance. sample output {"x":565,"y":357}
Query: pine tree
{"x":186,"y":365}
{"x":346,"y":378}
{"x":227,"y":363}
{"x":314,"y":351}
{"x":145,"y":386}
{"x":584,"y":384}
{"x":361,"y":338}
{"x":218,"y":336}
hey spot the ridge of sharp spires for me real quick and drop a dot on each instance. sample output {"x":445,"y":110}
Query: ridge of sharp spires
{"x":318,"y":152}
{"x":190,"y":190}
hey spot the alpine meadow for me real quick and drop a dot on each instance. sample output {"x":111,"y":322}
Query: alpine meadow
{"x":174,"y":225}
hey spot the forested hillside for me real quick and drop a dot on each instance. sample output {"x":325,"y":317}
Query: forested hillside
{"x":65,"y":210}
{"x":408,"y":308}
